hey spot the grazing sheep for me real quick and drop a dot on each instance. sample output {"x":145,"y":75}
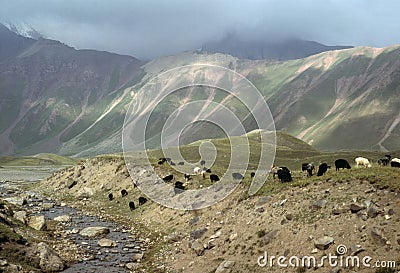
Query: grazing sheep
{"x":172,"y":163}
{"x":395,"y":164}
{"x":110,"y":196}
{"x":168,"y":178}
{"x":207,"y":170}
{"x":383,"y":161}
{"x":396,"y":160}
{"x":342,"y":164}
{"x":187,"y":177}
{"x":284,"y":175}
{"x":178,"y":187}
{"x":203,"y":162}
{"x":142,"y":200}
{"x":362,"y":161}
{"x":274,"y":171}
{"x":252,"y":174}
{"x":203,"y":174}
{"x":237,"y":176}
{"x":309,"y":167}
{"x":124,"y":193}
{"x":214,"y":178}
{"x":196,"y":170}
{"x":132,"y":205}
{"x":322,"y":169}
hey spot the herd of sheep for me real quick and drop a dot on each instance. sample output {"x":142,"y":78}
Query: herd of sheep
{"x":283,"y":173}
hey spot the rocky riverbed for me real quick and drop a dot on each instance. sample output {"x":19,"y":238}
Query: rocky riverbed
{"x":67,"y":239}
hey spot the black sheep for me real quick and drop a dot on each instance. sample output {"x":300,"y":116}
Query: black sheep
{"x":214,"y":178}
{"x":322,"y":169}
{"x":142,"y":200}
{"x":395,"y":164}
{"x":342,"y":164}
{"x":168,"y":178}
{"x":207,"y":170}
{"x":203,"y":162}
{"x":187,"y":177}
{"x":132,"y":205}
{"x":124,"y":193}
{"x":309,"y":167}
{"x":178,"y":187}
{"x":252,"y":174}
{"x":284,"y":175}
{"x":110,"y":196}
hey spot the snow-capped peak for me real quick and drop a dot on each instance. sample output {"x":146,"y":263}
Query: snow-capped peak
{"x":24,"y":29}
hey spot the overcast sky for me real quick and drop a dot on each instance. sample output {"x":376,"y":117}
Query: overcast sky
{"x":150,"y":28}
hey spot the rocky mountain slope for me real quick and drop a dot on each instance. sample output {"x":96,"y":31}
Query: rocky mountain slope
{"x":310,"y":217}
{"x":73,"y":102}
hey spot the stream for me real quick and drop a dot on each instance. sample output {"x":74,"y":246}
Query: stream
{"x":96,"y":258}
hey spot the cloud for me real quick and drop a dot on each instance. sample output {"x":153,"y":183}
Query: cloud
{"x":151,"y":28}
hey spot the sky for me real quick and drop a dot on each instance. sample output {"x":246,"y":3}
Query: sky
{"x":150,"y":28}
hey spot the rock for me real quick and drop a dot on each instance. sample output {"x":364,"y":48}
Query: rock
{"x":3,"y":263}
{"x":63,"y":218}
{"x":49,"y":260}
{"x":47,"y":206}
{"x":225,"y":267}
{"x":16,"y":200}
{"x":197,"y":247}
{"x":283,"y":202}
{"x":319,"y":204}
{"x":198,"y":233}
{"x":132,"y":266}
{"x":216,"y":235}
{"x":37,"y":222}
{"x":71,"y":183}
{"x":94,"y":231}
{"x":390,"y":212}
{"x":323,"y":242}
{"x":104,"y":242}
{"x":337,"y":211}
{"x":356,"y":208}
{"x":233,"y":237}
{"x":355,"y":249}
{"x":315,"y":250}
{"x":173,"y":237}
{"x":21,"y":216}
{"x":372,"y":212}
{"x":137,"y":257}
{"x":260,"y":210}
{"x":378,"y":236}
{"x":289,"y":216}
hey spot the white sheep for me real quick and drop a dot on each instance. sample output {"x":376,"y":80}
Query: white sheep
{"x":363,"y":162}
{"x":396,"y":159}
{"x":196,"y":170}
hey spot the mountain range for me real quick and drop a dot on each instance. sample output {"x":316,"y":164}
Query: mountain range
{"x":57,"y":99}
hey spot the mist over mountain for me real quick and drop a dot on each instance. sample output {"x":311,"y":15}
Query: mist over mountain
{"x":287,"y":49}
{"x":55,"y":98}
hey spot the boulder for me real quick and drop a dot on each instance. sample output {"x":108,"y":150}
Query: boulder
{"x":197,"y":247}
{"x":37,"y":222}
{"x":94,"y":231}
{"x":372,"y":212}
{"x":21,"y":216}
{"x":356,"y":208}
{"x":225,"y":267}
{"x":104,"y":242}
{"x":63,"y":218}
{"x":323,"y":242}
{"x":49,"y":260}
{"x":16,"y":200}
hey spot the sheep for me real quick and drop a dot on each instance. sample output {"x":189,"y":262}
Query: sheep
{"x":142,"y":200}
{"x":322,"y":169}
{"x":237,"y":176}
{"x":132,"y":205}
{"x":181,"y":163}
{"x":168,"y":178}
{"x":207,"y":170}
{"x":214,"y":178}
{"x":284,"y":175}
{"x":252,"y":174}
{"x":274,"y":171}
{"x":203,"y":174}
{"x":110,"y":196}
{"x":309,"y":167}
{"x":187,"y":177}
{"x":362,"y":161}
{"x":203,"y":162}
{"x":342,"y":164}
{"x":196,"y":170}
{"x":395,"y":164}
{"x":396,"y":160}
{"x":178,"y":187}
{"x":124,"y":193}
